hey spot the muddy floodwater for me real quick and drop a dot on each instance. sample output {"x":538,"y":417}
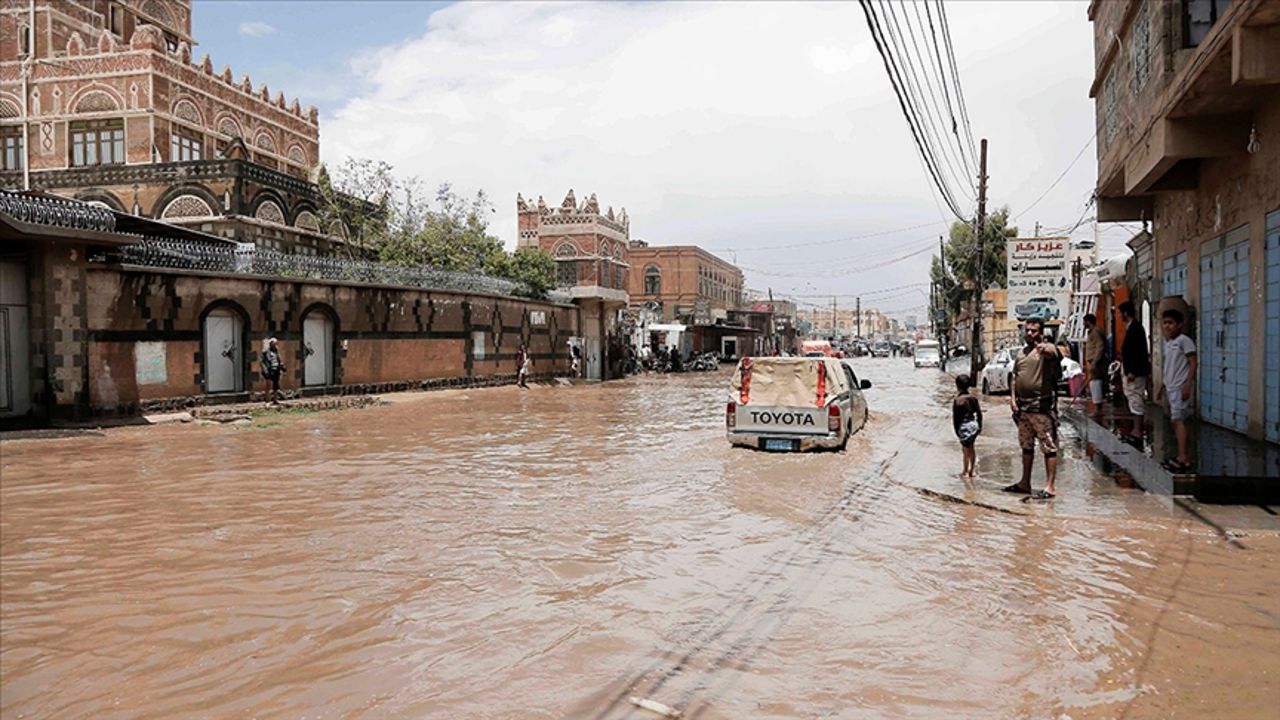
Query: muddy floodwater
{"x":558,"y":551}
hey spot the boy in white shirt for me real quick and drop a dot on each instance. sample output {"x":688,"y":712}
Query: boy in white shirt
{"x":1179,"y":382}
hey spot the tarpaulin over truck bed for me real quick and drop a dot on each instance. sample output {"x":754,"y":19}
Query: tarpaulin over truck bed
{"x":786,"y":381}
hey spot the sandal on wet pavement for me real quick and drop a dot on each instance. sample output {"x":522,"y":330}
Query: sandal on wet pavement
{"x":1041,"y":495}
{"x":1016,"y":488}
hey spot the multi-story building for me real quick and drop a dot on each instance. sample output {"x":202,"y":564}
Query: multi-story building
{"x":590,"y":247}
{"x":102,"y":101}
{"x":1188,"y":138}
{"x":686,"y":282}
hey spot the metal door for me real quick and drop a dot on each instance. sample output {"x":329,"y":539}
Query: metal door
{"x":223,"y":353}
{"x":1223,"y":346}
{"x":594,"y":362}
{"x":317,"y":346}
{"x":15,"y":376}
{"x":1271,"y":407}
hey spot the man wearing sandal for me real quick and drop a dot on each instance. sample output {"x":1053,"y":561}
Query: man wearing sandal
{"x":1034,"y":402}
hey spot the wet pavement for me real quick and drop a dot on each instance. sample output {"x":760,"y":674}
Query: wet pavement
{"x":557,"y":552}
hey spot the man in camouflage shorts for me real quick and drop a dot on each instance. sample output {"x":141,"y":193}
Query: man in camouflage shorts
{"x":1034,"y":402}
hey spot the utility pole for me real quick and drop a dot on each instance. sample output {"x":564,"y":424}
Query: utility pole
{"x":833,"y":318}
{"x":859,"y":313}
{"x":975,"y":349}
{"x":1037,"y":228}
{"x":933,"y":310}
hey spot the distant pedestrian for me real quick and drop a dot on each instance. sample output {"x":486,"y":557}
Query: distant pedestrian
{"x":1034,"y":402}
{"x":1179,"y":383}
{"x":1095,"y":357}
{"x":1135,"y":361}
{"x":575,"y":360}
{"x":522,"y":367}
{"x":273,"y":368}
{"x":966,"y":417}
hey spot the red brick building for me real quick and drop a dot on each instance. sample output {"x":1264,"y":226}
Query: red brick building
{"x":689,"y":283}
{"x":590,"y":247}
{"x":104,"y":102}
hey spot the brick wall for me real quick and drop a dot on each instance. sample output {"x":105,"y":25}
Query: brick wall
{"x":108,"y":340}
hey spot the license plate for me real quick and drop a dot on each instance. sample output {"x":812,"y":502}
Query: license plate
{"x":779,"y":444}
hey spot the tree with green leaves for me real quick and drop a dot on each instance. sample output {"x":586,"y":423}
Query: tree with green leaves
{"x":391,"y":220}
{"x":955,"y":274}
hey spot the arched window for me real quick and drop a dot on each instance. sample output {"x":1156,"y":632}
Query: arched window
{"x":186,"y":206}
{"x":270,"y":212}
{"x":566,"y":249}
{"x":652,"y":280}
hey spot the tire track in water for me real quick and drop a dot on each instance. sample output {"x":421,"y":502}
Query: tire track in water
{"x":757,"y":637}
{"x":747,"y":595}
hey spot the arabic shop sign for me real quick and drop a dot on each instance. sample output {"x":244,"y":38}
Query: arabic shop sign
{"x":1040,"y":278}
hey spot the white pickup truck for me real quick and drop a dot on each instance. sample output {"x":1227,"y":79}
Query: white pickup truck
{"x":793,"y":404}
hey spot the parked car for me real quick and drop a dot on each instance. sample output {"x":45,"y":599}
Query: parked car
{"x":816,"y":348}
{"x":1045,"y":308}
{"x":997,"y":376}
{"x":927,"y":354}
{"x":794,"y":404}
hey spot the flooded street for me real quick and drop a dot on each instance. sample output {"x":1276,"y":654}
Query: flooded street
{"x":555,"y":552}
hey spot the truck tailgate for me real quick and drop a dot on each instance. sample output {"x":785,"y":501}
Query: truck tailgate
{"x":774,"y":420}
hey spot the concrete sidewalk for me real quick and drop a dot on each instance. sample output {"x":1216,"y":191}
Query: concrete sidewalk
{"x":1228,"y":467}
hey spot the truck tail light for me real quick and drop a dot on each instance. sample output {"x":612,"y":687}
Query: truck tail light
{"x":833,"y":418}
{"x":731,"y":416}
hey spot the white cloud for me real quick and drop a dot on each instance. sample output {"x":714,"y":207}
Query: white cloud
{"x":722,"y":124}
{"x":256,"y":28}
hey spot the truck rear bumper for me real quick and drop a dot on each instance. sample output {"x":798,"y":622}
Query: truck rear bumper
{"x":828,"y":441}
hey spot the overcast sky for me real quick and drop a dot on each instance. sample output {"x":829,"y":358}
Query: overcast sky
{"x":755,"y":129}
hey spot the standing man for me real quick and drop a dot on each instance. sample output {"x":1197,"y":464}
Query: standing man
{"x":272,"y":368}
{"x":1034,"y":402}
{"x":1095,"y":355}
{"x":1135,"y":359}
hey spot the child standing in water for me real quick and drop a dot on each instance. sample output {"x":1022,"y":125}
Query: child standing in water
{"x":966,"y":416}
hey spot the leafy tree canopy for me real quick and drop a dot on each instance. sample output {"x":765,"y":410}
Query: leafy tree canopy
{"x":394,"y":220}
{"x":955,"y":274}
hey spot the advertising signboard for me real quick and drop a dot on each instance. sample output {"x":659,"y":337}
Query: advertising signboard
{"x":1039,"y":278}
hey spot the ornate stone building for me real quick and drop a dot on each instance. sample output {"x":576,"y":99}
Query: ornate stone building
{"x":104,"y":102}
{"x":590,"y":247}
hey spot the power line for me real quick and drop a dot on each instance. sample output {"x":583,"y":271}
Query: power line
{"x":830,"y":242}
{"x":873,"y":25}
{"x":1060,"y":176}
{"x":829,"y":261}
{"x":917,"y":90}
{"x":840,"y":273}
{"x":955,"y":78}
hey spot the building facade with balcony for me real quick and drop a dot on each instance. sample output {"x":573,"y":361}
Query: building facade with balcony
{"x":104,"y":103}
{"x":1188,"y":138}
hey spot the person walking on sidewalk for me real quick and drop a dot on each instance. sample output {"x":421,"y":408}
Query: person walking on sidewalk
{"x":522,"y":367}
{"x":273,"y":368}
{"x":1095,"y":355}
{"x":966,"y":418}
{"x":1135,"y":361}
{"x":1179,"y":383}
{"x":1034,"y":402}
